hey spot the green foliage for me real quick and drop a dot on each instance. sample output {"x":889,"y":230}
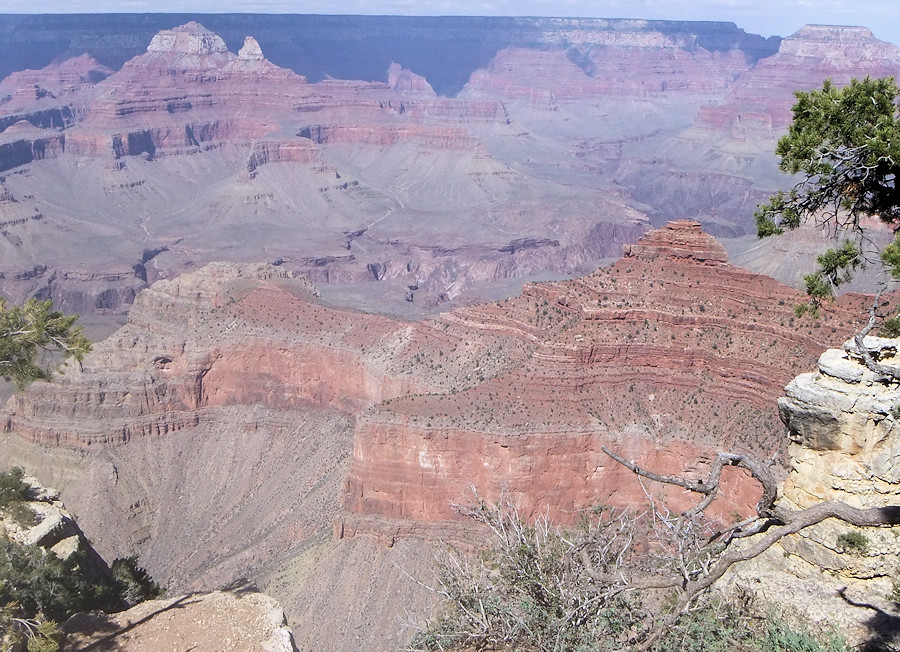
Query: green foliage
{"x":38,"y":589}
{"x":836,"y":265}
{"x":22,"y":515}
{"x":46,"y":637}
{"x":890,"y":256}
{"x":845,"y":144}
{"x":890,"y":327}
{"x":777,"y":214}
{"x":817,"y":287}
{"x":532,"y":591}
{"x":713,"y":626}
{"x":133,"y":583}
{"x":30,"y":330}
{"x":38,"y":634}
{"x":13,"y":494}
{"x":853,"y":541}
{"x":540,"y":587}
{"x":39,"y":582}
{"x":835,"y":268}
{"x":12,"y":487}
{"x":780,"y":637}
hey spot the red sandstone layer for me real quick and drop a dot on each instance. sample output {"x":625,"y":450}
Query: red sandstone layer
{"x":668,"y":355}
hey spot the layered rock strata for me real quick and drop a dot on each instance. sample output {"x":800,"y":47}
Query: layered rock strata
{"x":628,"y":354}
{"x":293,"y":432}
{"x":759,"y":102}
{"x":845,"y":445}
{"x":393,"y":195}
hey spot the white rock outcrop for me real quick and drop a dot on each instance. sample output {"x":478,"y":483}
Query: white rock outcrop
{"x":250,"y":51}
{"x":844,"y":424}
{"x":191,"y":38}
{"x":54,"y":527}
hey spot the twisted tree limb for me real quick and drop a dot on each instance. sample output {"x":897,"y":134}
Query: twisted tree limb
{"x":774,"y":523}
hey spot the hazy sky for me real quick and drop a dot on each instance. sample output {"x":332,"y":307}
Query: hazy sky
{"x":766,"y":17}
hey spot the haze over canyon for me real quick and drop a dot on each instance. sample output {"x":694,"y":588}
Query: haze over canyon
{"x":538,"y":153}
{"x":365,"y":262}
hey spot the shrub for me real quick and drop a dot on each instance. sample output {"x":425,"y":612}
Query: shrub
{"x":539,"y":587}
{"x":133,"y":583}
{"x":12,"y":487}
{"x":22,"y":515}
{"x":854,"y":542}
{"x":890,"y":327}
{"x":780,"y":637}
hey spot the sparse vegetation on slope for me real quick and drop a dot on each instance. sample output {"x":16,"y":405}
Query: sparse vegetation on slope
{"x":38,"y":589}
{"x":604,"y":585}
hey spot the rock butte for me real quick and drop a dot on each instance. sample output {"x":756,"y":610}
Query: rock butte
{"x":545,"y":161}
{"x":295,"y":433}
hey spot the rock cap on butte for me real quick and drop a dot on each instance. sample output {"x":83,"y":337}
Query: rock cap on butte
{"x":190,"y":38}
{"x":250,"y":51}
{"x":678,"y":239}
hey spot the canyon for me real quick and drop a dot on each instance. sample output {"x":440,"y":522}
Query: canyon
{"x":408,"y":189}
{"x":241,"y":426}
{"x":345,"y":286}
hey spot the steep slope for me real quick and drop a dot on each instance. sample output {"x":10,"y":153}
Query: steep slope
{"x":288,"y":431}
{"x":759,"y":103}
{"x":445,"y":49}
{"x":669,"y":352}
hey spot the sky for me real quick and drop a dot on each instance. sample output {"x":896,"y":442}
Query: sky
{"x":766,"y":17}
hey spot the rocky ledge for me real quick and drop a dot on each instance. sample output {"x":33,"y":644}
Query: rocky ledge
{"x":234,"y":620}
{"x":54,"y":528}
{"x":842,"y":421}
{"x":844,"y":424}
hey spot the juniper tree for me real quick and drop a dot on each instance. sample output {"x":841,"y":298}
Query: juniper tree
{"x":844,"y":143}
{"x":30,"y":334}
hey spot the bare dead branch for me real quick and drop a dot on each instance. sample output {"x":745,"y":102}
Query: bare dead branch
{"x":781,"y":523}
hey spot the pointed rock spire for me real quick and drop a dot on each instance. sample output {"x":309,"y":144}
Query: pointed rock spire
{"x":250,"y":50}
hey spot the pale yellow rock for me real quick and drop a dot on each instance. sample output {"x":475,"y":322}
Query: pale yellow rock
{"x":844,"y":425}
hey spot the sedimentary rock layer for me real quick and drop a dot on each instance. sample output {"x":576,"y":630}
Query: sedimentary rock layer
{"x":288,"y":429}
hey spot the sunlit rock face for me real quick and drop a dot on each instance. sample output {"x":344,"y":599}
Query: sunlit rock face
{"x":281,"y":421}
{"x":842,"y":426}
{"x":845,"y":445}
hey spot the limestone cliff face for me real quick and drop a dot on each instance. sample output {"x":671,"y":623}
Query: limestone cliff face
{"x":844,"y":426}
{"x":759,"y":102}
{"x":844,"y":434}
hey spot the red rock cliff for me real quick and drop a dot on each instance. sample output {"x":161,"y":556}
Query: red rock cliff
{"x":666,"y":355}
